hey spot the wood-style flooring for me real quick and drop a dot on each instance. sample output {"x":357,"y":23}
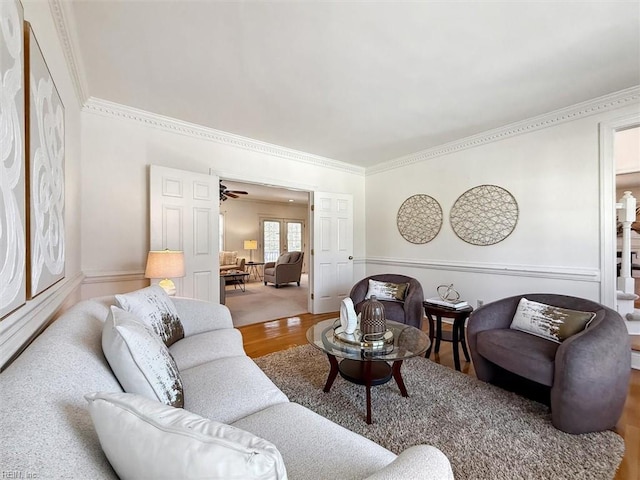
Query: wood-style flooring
{"x":263,"y":338}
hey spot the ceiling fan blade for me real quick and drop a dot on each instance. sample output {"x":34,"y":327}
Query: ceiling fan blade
{"x":241,"y":192}
{"x":229,"y":194}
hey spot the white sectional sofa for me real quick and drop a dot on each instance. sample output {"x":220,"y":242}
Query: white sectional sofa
{"x":46,"y":430}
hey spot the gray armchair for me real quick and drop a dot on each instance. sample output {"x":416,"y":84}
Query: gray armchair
{"x":287,"y":269}
{"x":410,"y":311}
{"x":584,"y":379}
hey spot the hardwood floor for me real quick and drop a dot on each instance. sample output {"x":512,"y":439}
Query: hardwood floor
{"x":263,"y":338}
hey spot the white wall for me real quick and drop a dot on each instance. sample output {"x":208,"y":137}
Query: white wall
{"x":117,"y":153}
{"x":554,"y":175}
{"x":242,"y":222}
{"x":18,"y":327}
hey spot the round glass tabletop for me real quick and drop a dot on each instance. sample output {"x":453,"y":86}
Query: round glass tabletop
{"x":406,"y":342}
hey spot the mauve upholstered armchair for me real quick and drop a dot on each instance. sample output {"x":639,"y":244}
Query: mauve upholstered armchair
{"x":584,"y":379}
{"x":287,"y":269}
{"x":410,"y":311}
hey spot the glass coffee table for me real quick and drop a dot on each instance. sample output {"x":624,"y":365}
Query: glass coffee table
{"x":367,"y":362}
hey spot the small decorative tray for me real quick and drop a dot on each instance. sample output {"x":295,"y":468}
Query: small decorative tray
{"x":356,"y":338}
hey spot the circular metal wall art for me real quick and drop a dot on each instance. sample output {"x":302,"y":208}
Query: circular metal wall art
{"x":484,"y":215}
{"x":419,"y":219}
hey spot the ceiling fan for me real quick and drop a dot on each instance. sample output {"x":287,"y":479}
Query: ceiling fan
{"x":224,"y":193}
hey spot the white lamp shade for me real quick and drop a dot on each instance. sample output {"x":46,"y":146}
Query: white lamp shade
{"x":165,"y":264}
{"x":250,"y":244}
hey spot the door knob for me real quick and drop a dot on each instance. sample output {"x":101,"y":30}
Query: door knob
{"x":350,"y":257}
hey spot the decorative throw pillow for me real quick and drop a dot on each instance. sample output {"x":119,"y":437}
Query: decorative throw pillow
{"x":154,"y":308}
{"x":140,"y":361}
{"x":229,"y":258}
{"x":546,"y":321}
{"x":387,"y":290}
{"x":145,"y":439}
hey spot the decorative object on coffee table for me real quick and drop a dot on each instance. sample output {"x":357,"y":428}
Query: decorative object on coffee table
{"x":348,"y":317}
{"x":372,"y":321}
{"x":484,"y":215}
{"x":419,"y":219}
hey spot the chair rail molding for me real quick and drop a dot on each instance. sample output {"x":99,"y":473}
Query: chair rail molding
{"x":536,"y":271}
{"x":597,"y":105}
{"x":98,"y":276}
{"x":18,"y":329}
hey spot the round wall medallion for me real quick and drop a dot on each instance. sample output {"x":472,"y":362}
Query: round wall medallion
{"x":419,"y":219}
{"x":484,"y":215}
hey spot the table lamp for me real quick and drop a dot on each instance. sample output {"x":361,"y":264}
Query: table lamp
{"x":251,"y":245}
{"x":165,"y":264}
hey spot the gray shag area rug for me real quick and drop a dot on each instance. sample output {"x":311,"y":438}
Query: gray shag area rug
{"x":486,"y":432}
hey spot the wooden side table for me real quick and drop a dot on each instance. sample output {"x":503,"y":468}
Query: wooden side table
{"x":252,"y":268}
{"x":455,"y":336}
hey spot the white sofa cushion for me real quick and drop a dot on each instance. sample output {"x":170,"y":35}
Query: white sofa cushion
{"x":300,"y":431}
{"x":146,"y":439}
{"x":139,"y":359}
{"x":207,"y":346}
{"x":228,"y":389}
{"x":154,"y":308}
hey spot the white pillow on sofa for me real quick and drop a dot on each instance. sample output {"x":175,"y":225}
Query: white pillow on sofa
{"x":155,"y":309}
{"x":140,"y":361}
{"x":146,"y":439}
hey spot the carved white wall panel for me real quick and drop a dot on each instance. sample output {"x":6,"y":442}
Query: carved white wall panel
{"x":46,"y":173}
{"x":12,"y":156}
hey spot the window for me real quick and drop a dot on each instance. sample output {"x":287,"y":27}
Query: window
{"x":280,"y":235}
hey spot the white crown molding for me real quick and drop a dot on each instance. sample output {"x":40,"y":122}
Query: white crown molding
{"x":61,"y":16}
{"x":19,"y":328}
{"x":107,"y":108}
{"x":557,"y":117}
{"x":535,"y":271}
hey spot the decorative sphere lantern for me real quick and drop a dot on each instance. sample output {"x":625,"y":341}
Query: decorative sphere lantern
{"x":372,"y":320}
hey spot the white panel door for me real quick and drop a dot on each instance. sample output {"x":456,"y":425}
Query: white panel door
{"x":184,"y":209}
{"x":332,"y":277}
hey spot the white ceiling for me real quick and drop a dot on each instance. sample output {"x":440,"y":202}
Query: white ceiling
{"x":360,"y":82}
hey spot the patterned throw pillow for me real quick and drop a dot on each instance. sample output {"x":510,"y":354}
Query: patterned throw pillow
{"x":140,"y":361}
{"x":387,"y":291}
{"x":144,"y":439}
{"x":155,"y":309}
{"x":546,"y":321}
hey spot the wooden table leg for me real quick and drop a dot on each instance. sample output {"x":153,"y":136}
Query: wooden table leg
{"x":398,"y":377}
{"x":463,"y":341}
{"x":454,"y":339}
{"x":438,"y":332}
{"x":431,"y":335}
{"x":333,"y":373}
